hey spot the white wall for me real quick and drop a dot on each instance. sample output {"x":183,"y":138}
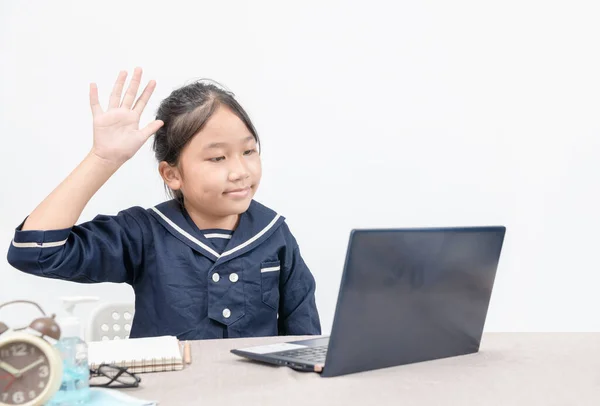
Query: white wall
{"x":372,"y":114}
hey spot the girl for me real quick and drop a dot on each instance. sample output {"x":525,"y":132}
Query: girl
{"x":210,"y":263}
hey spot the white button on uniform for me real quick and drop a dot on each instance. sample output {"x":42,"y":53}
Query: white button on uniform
{"x":227,"y":313}
{"x":234,"y":277}
{"x":216,"y":277}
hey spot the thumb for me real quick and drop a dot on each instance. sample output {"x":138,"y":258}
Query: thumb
{"x":151,"y":128}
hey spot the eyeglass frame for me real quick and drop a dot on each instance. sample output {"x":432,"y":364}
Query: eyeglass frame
{"x":121,"y":371}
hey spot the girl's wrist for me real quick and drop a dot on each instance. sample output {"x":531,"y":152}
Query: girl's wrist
{"x":103,"y":163}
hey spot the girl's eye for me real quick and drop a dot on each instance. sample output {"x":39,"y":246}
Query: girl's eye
{"x":217,"y":159}
{"x":250,"y":152}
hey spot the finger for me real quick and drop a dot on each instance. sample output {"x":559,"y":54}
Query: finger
{"x":151,"y":128}
{"x":140,"y":104}
{"x":132,"y":90}
{"x":115,"y":96}
{"x":94,"y":102}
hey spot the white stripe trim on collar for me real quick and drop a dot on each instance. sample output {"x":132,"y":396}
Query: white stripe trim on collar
{"x":186,"y":234}
{"x":38,"y":244}
{"x":207,"y":248}
{"x":251,"y":240}
{"x":217,"y":235}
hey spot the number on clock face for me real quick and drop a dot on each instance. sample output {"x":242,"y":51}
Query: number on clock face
{"x":25,"y":359}
{"x":17,"y":350}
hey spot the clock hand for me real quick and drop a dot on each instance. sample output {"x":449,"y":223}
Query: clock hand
{"x":8,"y":368}
{"x":31,"y":366}
{"x":12,"y":380}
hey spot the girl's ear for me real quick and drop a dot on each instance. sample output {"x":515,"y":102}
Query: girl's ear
{"x":170,"y":175}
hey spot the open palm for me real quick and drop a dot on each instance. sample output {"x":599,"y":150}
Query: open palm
{"x":117,"y":136}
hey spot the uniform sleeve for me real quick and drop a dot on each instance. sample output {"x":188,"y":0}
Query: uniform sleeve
{"x":106,"y":249}
{"x":298,"y":313}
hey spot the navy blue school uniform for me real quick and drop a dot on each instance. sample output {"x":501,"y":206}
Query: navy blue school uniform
{"x":191,"y":283}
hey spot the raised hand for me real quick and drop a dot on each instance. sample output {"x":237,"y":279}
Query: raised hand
{"x":117,"y":136}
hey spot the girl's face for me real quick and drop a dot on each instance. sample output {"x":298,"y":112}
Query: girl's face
{"x":219,"y":169}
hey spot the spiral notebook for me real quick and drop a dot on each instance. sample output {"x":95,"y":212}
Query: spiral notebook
{"x":139,"y":355}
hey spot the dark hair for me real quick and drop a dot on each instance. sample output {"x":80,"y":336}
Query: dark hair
{"x":185,"y":112}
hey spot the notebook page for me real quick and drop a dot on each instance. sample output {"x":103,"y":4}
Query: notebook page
{"x":134,"y":350}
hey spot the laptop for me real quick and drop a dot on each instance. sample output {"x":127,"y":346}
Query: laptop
{"x":406,"y":296}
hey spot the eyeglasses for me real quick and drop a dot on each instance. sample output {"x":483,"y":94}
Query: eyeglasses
{"x":112,"y":376}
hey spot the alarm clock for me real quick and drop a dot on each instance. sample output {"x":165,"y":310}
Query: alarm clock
{"x":31,"y":368}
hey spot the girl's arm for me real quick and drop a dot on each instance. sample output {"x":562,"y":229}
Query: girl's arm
{"x":117,"y":138}
{"x":108,"y":248}
{"x":298,"y":314}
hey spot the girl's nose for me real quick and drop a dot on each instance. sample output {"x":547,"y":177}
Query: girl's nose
{"x":238,"y":171}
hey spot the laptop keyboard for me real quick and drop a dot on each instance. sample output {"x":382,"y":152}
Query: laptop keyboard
{"x":313,"y":354}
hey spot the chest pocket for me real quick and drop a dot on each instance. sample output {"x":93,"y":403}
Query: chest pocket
{"x":269,"y":279}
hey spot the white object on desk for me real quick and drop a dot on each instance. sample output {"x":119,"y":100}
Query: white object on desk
{"x":270,"y":348}
{"x":111,"y":397}
{"x":139,"y":355}
{"x":111,"y":321}
{"x":70,"y":325}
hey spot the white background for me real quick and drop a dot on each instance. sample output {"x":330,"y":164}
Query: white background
{"x":372,"y":114}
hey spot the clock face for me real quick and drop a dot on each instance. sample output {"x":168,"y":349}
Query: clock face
{"x":25,"y":372}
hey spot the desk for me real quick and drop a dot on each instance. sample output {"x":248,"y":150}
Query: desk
{"x":510,"y":369}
